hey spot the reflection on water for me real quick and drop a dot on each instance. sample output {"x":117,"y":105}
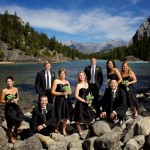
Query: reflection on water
{"x":25,"y":74}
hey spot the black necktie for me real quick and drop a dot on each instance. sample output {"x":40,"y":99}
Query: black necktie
{"x":113,"y":95}
{"x":92,"y":75}
{"x":44,"y":115}
{"x":47,"y":81}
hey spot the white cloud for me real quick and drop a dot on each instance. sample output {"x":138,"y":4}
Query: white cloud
{"x":96,"y":23}
{"x":134,"y":1}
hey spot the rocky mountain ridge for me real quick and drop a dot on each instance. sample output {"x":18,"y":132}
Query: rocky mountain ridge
{"x":144,"y":29}
{"x":91,"y":47}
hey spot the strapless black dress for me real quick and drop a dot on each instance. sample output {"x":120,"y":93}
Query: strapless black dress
{"x":113,"y":76}
{"x":63,"y":106}
{"x":83,"y":113}
{"x":13,"y":114}
{"x":131,"y":99}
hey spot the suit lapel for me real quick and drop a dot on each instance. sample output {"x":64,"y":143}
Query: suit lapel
{"x":43,"y":77}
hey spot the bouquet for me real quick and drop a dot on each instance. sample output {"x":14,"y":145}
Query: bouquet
{"x":10,"y":97}
{"x":66,"y":89}
{"x":89,"y":99}
{"x":124,"y":83}
{"x":108,"y":80}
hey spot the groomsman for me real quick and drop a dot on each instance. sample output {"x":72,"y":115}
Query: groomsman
{"x":95,"y":80}
{"x":42,"y":118}
{"x":44,"y":81}
{"x":114,"y":103}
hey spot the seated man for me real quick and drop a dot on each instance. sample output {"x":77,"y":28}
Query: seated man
{"x":114,"y":103}
{"x":43,"y":118}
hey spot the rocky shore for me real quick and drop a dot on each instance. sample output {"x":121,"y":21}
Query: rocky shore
{"x":134,"y":134}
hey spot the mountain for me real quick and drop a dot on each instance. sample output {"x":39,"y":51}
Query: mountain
{"x":89,"y":47}
{"x":144,"y":29}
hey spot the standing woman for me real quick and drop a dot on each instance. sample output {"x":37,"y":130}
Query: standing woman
{"x":129,"y":79}
{"x":112,"y":71}
{"x":82,"y":112}
{"x":61,"y":89}
{"x":13,"y":114}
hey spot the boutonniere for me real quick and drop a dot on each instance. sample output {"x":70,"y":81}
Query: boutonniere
{"x":46,"y":111}
{"x":97,"y":68}
{"x":52,"y":75}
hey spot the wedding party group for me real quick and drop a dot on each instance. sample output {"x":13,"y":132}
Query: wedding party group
{"x":55,"y":104}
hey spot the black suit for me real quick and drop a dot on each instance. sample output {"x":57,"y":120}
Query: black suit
{"x":118,"y":104}
{"x":95,"y":87}
{"x":38,"y":119}
{"x":40,"y":85}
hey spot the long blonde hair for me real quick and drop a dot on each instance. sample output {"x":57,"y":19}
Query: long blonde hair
{"x":84,"y":74}
{"x":129,"y":69}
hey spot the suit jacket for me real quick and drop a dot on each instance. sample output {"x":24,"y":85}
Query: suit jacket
{"x":98,"y":75}
{"x":118,"y":104}
{"x":38,"y":119}
{"x":40,"y":82}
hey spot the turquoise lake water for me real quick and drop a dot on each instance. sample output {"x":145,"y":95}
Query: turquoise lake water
{"x":25,"y":74}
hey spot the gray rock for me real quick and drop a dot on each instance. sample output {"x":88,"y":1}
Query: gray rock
{"x":86,"y":134}
{"x":3,"y":138}
{"x":109,"y":140}
{"x":17,"y":144}
{"x":136,"y":143}
{"x":76,"y":145}
{"x":4,"y":124}
{"x":58,"y":146}
{"x":58,"y":137}
{"x":89,"y":143}
{"x":45,"y":140}
{"x":143,"y":126}
{"x":73,"y":138}
{"x":100,"y":127}
{"x":32,"y":143}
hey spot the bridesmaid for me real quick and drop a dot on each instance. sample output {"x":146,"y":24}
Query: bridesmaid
{"x":13,"y":114}
{"x":83,"y":113}
{"x":129,"y":79}
{"x":62,"y":104}
{"x":112,"y":71}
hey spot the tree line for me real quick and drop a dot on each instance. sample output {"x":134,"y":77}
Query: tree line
{"x":19,"y":35}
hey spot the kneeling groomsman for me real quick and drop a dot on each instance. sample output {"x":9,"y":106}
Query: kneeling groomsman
{"x":114,"y":103}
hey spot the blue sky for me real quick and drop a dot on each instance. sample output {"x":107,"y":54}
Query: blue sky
{"x":81,"y":20}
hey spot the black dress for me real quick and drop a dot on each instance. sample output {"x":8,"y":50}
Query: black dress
{"x":63,"y":106}
{"x":82,"y":112}
{"x":112,"y":76}
{"x":131,"y":99}
{"x":13,"y":114}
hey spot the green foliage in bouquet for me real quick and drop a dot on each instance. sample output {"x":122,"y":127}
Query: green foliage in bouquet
{"x":66,"y":88}
{"x":89,"y":99}
{"x":124,"y":83}
{"x":10,"y":97}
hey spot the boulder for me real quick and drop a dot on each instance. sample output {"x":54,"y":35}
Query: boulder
{"x":86,"y":134}
{"x":143,"y":126}
{"x":57,"y":137}
{"x":45,"y":140}
{"x":3,"y":138}
{"x":32,"y":143}
{"x":136,"y":143}
{"x":76,"y":145}
{"x":109,"y":140}
{"x":89,"y":143}
{"x":100,"y":127}
{"x":58,"y":146}
{"x":73,"y":138}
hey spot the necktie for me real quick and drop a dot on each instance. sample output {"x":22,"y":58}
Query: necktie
{"x":92,"y":76}
{"x":47,"y":81}
{"x":44,"y":115}
{"x":113,"y":95}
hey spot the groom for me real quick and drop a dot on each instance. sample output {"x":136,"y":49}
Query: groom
{"x":44,"y":81}
{"x":95,"y":80}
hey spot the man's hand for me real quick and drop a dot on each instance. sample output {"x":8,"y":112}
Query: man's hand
{"x":40,"y":127}
{"x":103,"y":115}
{"x":112,"y":116}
